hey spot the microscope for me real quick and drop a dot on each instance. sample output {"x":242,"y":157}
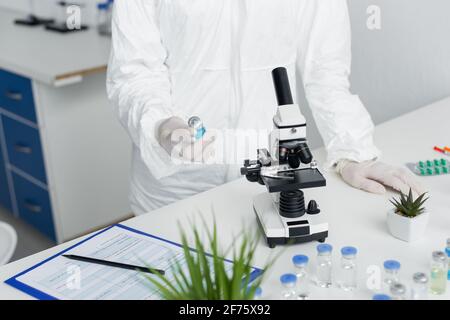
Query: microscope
{"x":286,"y":170}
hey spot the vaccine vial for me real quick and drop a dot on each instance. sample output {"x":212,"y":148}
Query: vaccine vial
{"x":381,"y":297}
{"x":419,"y":290}
{"x":301,"y":271}
{"x":439,"y":271}
{"x":258,"y":294}
{"x":324,"y":265}
{"x":288,"y":282}
{"x":398,"y":291}
{"x":391,"y":271}
{"x":348,"y":269}
{"x":447,"y":250}
{"x":197,"y":124}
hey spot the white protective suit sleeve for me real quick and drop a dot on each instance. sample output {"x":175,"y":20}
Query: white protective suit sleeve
{"x":325,"y":63}
{"x":138,"y":80}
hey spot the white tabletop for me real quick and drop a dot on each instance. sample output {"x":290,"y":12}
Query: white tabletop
{"x":355,"y":217}
{"x":47,"y":56}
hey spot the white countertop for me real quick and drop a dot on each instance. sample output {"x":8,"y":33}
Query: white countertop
{"x":49,"y":56}
{"x":355,"y":217}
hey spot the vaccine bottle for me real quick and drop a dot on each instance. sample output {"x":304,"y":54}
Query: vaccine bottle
{"x":381,"y":297}
{"x":258,"y":294}
{"x":391,"y":272}
{"x":419,"y":290}
{"x":398,"y":291}
{"x":447,"y":250}
{"x":348,"y":269}
{"x":324,"y":265}
{"x":439,"y":271}
{"x":288,"y":283}
{"x":301,"y":270}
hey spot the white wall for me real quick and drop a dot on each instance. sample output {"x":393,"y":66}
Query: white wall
{"x":406,"y":64}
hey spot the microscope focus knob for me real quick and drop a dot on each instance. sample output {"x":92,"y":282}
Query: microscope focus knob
{"x":313,"y":207}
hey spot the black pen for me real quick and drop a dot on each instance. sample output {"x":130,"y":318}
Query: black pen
{"x":113,"y":264}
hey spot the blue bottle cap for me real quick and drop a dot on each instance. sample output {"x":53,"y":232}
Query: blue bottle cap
{"x":300,"y":259}
{"x":391,"y":265}
{"x":324,"y":247}
{"x":349,"y":251}
{"x":103,"y":6}
{"x":288,"y":278}
{"x":381,"y":297}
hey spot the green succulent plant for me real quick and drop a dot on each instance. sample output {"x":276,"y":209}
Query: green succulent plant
{"x":407,"y":206}
{"x":205,"y":275}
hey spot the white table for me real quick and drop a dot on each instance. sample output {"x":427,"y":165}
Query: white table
{"x":356,"y":218}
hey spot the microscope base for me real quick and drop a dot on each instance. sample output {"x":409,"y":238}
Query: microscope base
{"x":280,"y":231}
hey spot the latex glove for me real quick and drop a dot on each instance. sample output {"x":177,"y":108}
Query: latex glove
{"x":373,"y":176}
{"x":178,"y":139}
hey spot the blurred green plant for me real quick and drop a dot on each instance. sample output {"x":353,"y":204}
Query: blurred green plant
{"x":205,"y":275}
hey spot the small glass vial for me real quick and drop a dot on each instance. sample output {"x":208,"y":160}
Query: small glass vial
{"x":196,"y":123}
{"x":447,"y":251}
{"x":439,"y":270}
{"x":348,"y":271}
{"x":398,"y":291}
{"x":324,"y":265}
{"x":258,"y":294}
{"x":391,"y":271}
{"x":288,"y":281}
{"x":301,"y":270}
{"x":419,"y":290}
{"x":381,"y":297}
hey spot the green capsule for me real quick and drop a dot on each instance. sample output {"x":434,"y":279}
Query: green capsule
{"x":437,"y":162}
{"x":422,"y":172}
{"x":421,"y":164}
{"x":445,"y":170}
{"x":429,"y":163}
{"x":437,"y":170}
{"x":443,"y":162}
{"x":429,"y":171}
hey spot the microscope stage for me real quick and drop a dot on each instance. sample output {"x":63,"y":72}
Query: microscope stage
{"x":303,"y":179}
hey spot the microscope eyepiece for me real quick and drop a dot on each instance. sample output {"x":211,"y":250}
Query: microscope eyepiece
{"x":282,"y":87}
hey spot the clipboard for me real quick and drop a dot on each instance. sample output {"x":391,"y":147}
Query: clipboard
{"x":40,"y":295}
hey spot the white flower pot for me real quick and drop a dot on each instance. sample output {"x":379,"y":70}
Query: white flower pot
{"x":407,"y":229}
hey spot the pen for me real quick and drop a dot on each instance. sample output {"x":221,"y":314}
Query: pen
{"x":113,"y":264}
{"x":446,"y":150}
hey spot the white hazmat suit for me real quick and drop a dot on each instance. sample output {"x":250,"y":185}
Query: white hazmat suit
{"x":213,"y":59}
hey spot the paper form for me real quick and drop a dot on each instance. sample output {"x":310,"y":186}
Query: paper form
{"x":63,"y":278}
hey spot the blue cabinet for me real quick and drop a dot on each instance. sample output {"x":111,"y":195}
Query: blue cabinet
{"x":34,"y":206}
{"x":5,"y":198}
{"x":21,"y":156}
{"x":24,"y":148}
{"x":16,"y":95}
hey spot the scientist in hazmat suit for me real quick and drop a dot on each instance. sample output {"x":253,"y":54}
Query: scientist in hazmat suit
{"x":173,"y":59}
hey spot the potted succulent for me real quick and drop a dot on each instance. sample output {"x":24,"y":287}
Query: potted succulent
{"x":408,"y":219}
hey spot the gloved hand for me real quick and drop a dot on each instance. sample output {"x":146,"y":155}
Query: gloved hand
{"x":178,"y":139}
{"x":372,"y":176}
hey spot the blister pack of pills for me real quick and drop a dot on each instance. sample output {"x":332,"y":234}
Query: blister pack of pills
{"x":434,"y":167}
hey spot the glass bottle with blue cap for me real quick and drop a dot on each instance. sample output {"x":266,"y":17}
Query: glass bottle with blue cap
{"x":391,"y":273}
{"x":324,"y":265}
{"x":381,"y":297}
{"x":348,"y":269}
{"x":301,"y":270}
{"x":288,"y":282}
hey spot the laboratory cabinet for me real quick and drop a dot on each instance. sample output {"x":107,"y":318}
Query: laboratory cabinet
{"x":64,"y":160}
